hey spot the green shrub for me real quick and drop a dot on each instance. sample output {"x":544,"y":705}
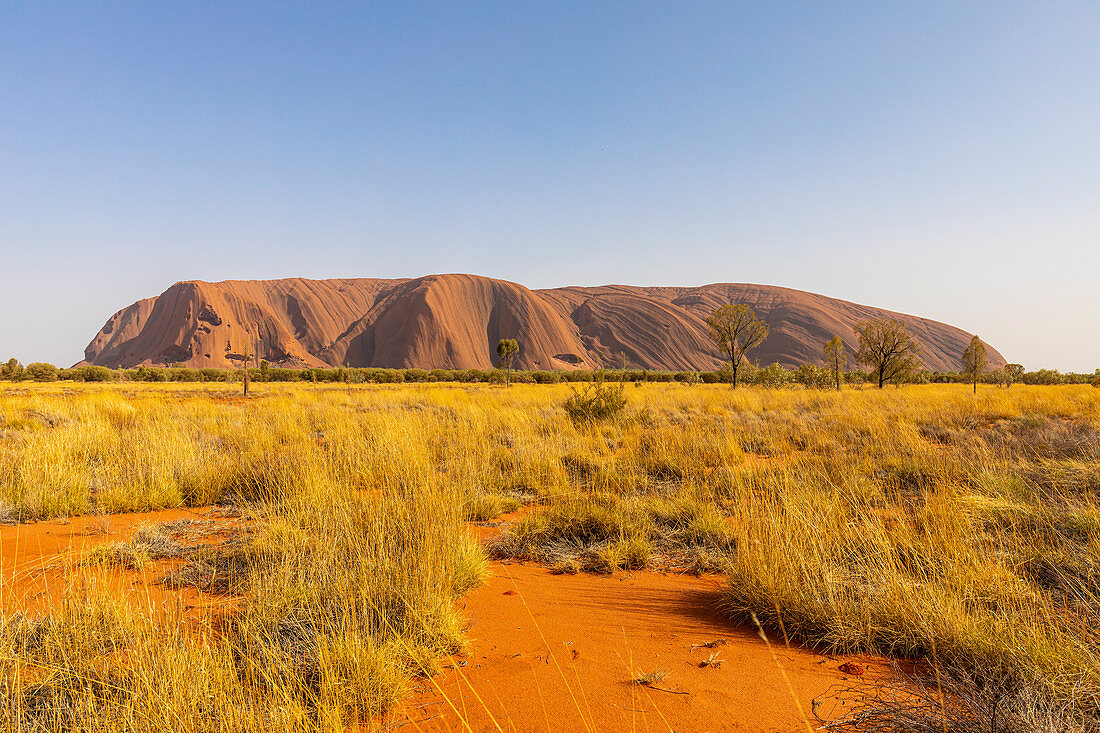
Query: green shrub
{"x":811,"y":376}
{"x":89,"y":373}
{"x":1044,"y":376}
{"x":12,"y":370}
{"x":773,"y":375}
{"x":40,"y":371}
{"x":596,"y":401}
{"x":417,"y":375}
{"x":179,"y":374}
{"x":147,"y":374}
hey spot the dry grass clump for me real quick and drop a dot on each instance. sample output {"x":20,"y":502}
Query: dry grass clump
{"x":605,"y":533}
{"x":163,"y":540}
{"x":222,"y":570}
{"x":595,"y":534}
{"x":955,"y":700}
{"x":1039,"y":436}
{"x":650,"y":678}
{"x":481,"y":507}
{"x":116,"y":555}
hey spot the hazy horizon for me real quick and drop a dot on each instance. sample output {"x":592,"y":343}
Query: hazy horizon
{"x":932,"y":159}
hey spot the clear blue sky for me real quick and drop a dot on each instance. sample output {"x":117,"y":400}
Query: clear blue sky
{"x":941,"y":159}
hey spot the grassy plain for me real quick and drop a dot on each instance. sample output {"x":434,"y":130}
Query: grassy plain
{"x":922,"y":522}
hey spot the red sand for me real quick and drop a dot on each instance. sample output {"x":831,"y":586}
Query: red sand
{"x":558,"y":653}
{"x":39,"y":562}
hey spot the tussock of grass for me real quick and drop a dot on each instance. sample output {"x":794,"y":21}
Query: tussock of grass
{"x":951,"y":699}
{"x":116,"y":555}
{"x":605,"y":534}
{"x":566,"y":567}
{"x":650,"y":678}
{"x":163,"y":540}
{"x":223,"y":570}
{"x":481,"y":507}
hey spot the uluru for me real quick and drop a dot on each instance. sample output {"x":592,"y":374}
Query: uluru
{"x":454,"y":321}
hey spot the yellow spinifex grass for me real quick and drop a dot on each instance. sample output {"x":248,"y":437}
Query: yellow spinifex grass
{"x":922,"y":521}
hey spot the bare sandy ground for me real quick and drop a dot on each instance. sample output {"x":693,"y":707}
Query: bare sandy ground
{"x":41,"y":561}
{"x":560,"y":653}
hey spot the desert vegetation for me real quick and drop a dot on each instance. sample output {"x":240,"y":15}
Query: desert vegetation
{"x":348,"y":576}
{"x":506,"y":353}
{"x":888,"y":349}
{"x":924,"y":523}
{"x":750,"y":373}
{"x":736,"y":330}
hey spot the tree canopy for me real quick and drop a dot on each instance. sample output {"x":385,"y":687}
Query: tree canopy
{"x":888,"y":348}
{"x":736,"y":329}
{"x":836,"y":360}
{"x":975,"y":362}
{"x":506,"y":352}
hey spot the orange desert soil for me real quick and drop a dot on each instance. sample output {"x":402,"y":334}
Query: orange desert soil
{"x":559,"y":653}
{"x":40,"y":561}
{"x":547,"y":652}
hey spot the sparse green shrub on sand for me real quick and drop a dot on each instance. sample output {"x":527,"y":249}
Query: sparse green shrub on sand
{"x":596,"y":401}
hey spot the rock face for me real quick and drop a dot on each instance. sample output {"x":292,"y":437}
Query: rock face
{"x":455,"y":321}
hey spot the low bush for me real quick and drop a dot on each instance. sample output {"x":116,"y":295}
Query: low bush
{"x":40,"y":371}
{"x":596,"y":401}
{"x":604,"y":533}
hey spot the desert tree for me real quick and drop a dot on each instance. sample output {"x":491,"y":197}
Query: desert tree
{"x":1013,"y":373}
{"x":506,"y":352}
{"x":244,"y":361}
{"x":40,"y":371}
{"x":736,"y":330}
{"x":12,"y":370}
{"x":836,"y":360}
{"x":975,"y":362}
{"x":888,"y":348}
{"x":243,"y":367}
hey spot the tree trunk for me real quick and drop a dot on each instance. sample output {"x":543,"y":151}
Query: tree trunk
{"x":247,"y":381}
{"x":881,"y":378}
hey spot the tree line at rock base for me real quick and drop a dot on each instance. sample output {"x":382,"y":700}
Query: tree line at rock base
{"x":774,"y":375}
